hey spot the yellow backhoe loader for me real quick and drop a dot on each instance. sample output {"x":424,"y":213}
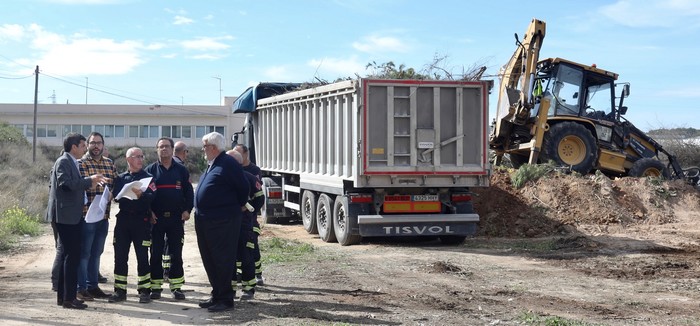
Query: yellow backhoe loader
{"x":571,"y":113}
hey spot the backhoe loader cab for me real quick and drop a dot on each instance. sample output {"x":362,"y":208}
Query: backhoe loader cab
{"x":570,"y":113}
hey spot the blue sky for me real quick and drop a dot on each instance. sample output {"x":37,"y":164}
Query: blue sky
{"x":179,"y":52}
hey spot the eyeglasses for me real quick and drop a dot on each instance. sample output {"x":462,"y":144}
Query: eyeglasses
{"x":93,"y":143}
{"x":205,"y":146}
{"x":137,"y":156}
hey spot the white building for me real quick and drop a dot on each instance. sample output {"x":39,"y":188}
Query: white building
{"x":123,"y":125}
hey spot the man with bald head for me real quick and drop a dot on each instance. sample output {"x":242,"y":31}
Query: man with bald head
{"x":181,"y":152}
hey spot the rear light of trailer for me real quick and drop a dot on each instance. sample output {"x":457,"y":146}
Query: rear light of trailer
{"x":397,"y":198}
{"x":461,"y":197}
{"x":274,"y":194}
{"x":361,"y":198}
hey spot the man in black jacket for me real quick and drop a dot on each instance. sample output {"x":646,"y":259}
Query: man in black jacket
{"x":170,"y":209}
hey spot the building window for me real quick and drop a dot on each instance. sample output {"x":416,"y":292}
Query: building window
{"x":203,"y":130}
{"x":86,"y":130}
{"x":41,"y":131}
{"x":186,"y":131}
{"x":153,"y":132}
{"x":133,"y":131}
{"x":52,"y":130}
{"x":109,"y":131}
{"x":200,"y":131}
{"x":119,"y":131}
{"x":143,"y":131}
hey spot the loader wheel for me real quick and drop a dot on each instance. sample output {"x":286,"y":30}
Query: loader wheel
{"x":649,"y":167}
{"x":571,"y":144}
{"x":324,"y":218}
{"x":308,"y":212}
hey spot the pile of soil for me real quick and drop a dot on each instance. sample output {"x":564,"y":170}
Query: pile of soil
{"x":558,"y":203}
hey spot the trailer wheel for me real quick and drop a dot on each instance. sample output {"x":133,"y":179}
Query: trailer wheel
{"x":344,"y":223}
{"x":571,"y":144}
{"x":266,"y":218}
{"x":324,"y":218}
{"x":308,"y":212}
{"x":649,"y":167}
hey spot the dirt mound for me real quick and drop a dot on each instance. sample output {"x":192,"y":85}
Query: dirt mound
{"x":556,"y":202}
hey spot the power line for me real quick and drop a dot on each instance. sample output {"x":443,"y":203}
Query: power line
{"x":181,"y":108}
{"x":23,"y":77}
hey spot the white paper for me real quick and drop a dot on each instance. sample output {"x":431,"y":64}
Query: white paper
{"x":127,"y":193}
{"x":96,"y":211}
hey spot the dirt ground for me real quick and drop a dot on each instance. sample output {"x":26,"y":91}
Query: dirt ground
{"x":591,"y":249}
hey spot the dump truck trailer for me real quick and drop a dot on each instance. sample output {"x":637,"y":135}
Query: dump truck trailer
{"x":370,"y":157}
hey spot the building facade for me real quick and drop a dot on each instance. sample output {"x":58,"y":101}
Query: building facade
{"x":123,"y":125}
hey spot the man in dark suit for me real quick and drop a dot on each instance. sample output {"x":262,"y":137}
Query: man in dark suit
{"x":221,"y":193}
{"x":65,"y":209}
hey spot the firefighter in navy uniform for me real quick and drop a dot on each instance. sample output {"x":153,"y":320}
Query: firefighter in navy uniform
{"x":253,"y":169}
{"x":246,"y":248}
{"x":170,"y":208}
{"x":133,"y":226}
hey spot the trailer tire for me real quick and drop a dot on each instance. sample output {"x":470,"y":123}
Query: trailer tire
{"x":570,"y":144}
{"x":344,"y":222}
{"x":308,"y":212}
{"x":649,"y":167}
{"x":324,"y":218}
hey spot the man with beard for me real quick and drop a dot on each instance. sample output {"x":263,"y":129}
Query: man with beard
{"x":94,"y":234}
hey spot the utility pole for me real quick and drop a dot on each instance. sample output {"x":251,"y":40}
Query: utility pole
{"x":36,"y":101}
{"x":220,"y":90}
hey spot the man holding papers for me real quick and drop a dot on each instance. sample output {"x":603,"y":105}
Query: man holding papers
{"x":133,"y":226}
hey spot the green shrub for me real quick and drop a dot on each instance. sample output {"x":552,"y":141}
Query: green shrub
{"x":17,"y":221}
{"x":530,"y":172}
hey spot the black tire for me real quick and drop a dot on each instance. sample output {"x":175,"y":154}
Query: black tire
{"x":517,"y":160}
{"x":649,"y":167}
{"x":267,"y":219}
{"x":308,"y":212}
{"x":324,"y":218}
{"x":344,"y":223}
{"x":570,"y":144}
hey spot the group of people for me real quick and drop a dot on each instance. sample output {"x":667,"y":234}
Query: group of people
{"x":153,"y":208}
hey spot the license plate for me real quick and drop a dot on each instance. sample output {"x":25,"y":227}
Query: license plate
{"x":425,"y":197}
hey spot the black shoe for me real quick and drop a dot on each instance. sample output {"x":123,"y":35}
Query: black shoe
{"x":207,"y":304}
{"x":178,"y":295}
{"x":118,"y":296}
{"x":101,"y":279}
{"x":155,"y":295}
{"x":248,"y":295}
{"x":75,"y":304}
{"x":144,"y":297}
{"x":220,"y":306}
{"x":97,"y":293}
{"x":59,"y":302}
